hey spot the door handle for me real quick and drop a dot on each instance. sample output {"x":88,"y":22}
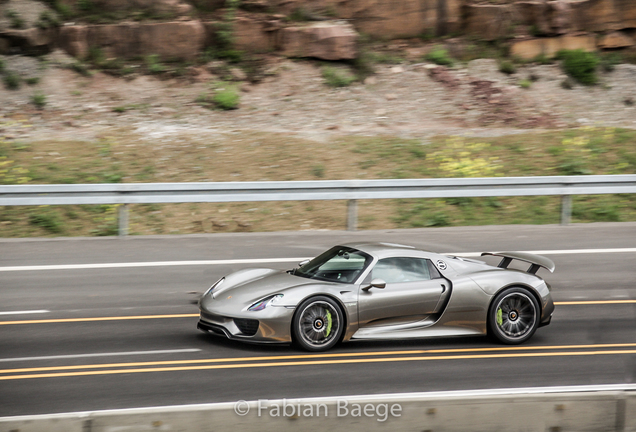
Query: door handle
{"x":443,"y":288}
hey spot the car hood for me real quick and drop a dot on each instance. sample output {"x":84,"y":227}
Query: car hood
{"x":249,"y":286}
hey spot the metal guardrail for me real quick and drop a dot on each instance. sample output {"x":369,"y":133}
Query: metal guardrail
{"x":350,"y":190}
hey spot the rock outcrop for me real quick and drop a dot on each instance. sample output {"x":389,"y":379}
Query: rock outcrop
{"x":324,"y":40}
{"x":182,"y":40}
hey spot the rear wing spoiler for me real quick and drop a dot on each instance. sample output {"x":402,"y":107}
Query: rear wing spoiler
{"x":536,"y":261}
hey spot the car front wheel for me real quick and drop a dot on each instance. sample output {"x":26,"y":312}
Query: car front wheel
{"x":514,"y":316}
{"x":317,"y":324}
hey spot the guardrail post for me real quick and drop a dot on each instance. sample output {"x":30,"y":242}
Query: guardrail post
{"x":566,"y":209}
{"x":123,"y":220}
{"x":352,"y":215}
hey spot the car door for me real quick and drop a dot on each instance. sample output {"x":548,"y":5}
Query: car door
{"x":410,"y":294}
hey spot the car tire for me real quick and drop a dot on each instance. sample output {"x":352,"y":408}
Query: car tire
{"x":317,"y":324}
{"x":513,"y":316}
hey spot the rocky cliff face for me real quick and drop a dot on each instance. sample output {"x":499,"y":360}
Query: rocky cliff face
{"x":325,"y":29}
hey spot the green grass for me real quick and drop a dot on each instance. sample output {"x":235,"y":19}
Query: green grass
{"x":336,"y":78}
{"x":439,"y":56}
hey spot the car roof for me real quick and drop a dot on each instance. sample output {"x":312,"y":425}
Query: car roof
{"x":381,"y":249}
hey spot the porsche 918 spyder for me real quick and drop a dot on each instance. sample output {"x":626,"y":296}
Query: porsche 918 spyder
{"x":380,"y":291}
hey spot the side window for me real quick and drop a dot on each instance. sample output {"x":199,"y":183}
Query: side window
{"x":401,"y":269}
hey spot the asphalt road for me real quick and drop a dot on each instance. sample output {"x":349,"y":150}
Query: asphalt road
{"x":76,"y":336}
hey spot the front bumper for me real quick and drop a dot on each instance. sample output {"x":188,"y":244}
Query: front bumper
{"x":271,"y":325}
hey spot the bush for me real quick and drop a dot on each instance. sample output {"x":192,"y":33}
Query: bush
{"x":226,"y":99}
{"x":15,"y":20}
{"x":12,"y":81}
{"x":507,"y":67}
{"x":47,"y":20}
{"x":525,"y":83}
{"x":38,"y":99}
{"x":580,"y":65}
{"x":439,"y":56}
{"x":80,"y":68}
{"x":335,"y":78}
{"x":152,"y":62}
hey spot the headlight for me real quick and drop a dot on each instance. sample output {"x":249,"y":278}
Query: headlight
{"x":262,"y":304}
{"x":214,"y":285}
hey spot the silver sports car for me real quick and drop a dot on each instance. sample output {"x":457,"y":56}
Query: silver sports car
{"x":380,"y":291}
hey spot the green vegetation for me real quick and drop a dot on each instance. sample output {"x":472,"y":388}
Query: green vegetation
{"x":15,"y":20}
{"x":227,"y":98}
{"x":39,"y":100}
{"x":47,"y":20}
{"x":580,"y":65}
{"x":153,"y":64}
{"x":12,"y":81}
{"x":264,"y":156}
{"x":507,"y":67}
{"x":525,"y":83}
{"x":32,"y":80}
{"x":336,"y":78}
{"x":439,"y":56}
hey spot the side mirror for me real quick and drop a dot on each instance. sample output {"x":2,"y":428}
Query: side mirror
{"x":302,"y":263}
{"x":375,"y":283}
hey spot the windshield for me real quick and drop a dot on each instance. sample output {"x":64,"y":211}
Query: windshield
{"x":338,"y":264}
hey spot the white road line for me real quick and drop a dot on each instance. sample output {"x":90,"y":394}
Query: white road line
{"x":113,"y":354}
{"x":150,"y":264}
{"x":274,"y":260}
{"x":25,"y":312}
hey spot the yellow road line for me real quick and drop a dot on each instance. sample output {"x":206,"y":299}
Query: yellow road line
{"x":317,"y":356}
{"x":115,"y":318}
{"x":594,"y":302}
{"x":317,"y":362}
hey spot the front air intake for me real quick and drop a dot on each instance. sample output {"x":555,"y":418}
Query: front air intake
{"x":248,"y":327}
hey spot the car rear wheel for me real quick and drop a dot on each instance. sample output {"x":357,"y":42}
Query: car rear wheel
{"x":514,"y":316}
{"x":317,"y":324}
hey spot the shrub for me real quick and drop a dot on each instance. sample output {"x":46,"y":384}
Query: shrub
{"x":47,"y":20}
{"x":525,"y":83}
{"x":439,"y":56}
{"x":507,"y":67}
{"x":580,"y":65}
{"x":65,"y":11}
{"x":154,"y":67}
{"x":15,"y":20}
{"x":12,"y":81}
{"x":335,"y":78}
{"x":80,"y":68}
{"x":38,"y":99}
{"x":226,"y":99}
{"x":32,"y":80}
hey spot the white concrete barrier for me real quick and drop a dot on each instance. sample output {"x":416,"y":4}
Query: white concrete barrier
{"x":551,"y":409}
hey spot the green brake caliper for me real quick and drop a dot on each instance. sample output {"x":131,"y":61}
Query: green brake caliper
{"x":329,"y":323}
{"x":499,"y":316}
